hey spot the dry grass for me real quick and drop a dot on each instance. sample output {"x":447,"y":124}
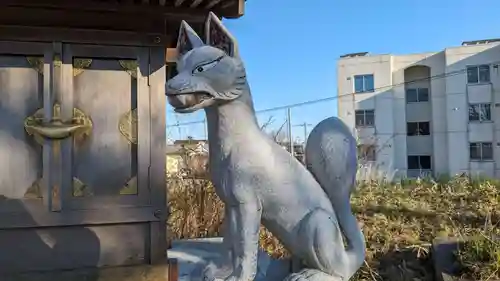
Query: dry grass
{"x":399,"y":222}
{"x":480,"y":255}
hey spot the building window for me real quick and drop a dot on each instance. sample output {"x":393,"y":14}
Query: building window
{"x":364,"y":83}
{"x":418,"y":129}
{"x":417,"y":95}
{"x":365,"y":118}
{"x":419,"y":162}
{"x":480,"y":112}
{"x":478,"y":74}
{"x":481,"y":151}
{"x":367,"y":152}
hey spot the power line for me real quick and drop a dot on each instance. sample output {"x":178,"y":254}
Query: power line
{"x":430,"y":78}
{"x":393,"y":135}
{"x":439,"y":76}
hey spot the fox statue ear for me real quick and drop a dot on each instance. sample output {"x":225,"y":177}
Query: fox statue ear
{"x":218,"y":36}
{"x":188,"y":39}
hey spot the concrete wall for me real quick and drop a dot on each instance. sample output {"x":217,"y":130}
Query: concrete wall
{"x":459,"y":95}
{"x":381,"y":100}
{"x":447,"y":109}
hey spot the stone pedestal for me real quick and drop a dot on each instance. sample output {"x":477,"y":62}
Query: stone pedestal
{"x":193,"y":254}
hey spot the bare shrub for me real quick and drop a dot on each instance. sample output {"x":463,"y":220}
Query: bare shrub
{"x":399,"y":220}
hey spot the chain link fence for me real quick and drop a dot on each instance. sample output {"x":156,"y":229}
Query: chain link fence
{"x":289,"y":126}
{"x":284,"y":124}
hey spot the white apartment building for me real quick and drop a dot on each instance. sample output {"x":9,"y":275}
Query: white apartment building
{"x":436,"y":113}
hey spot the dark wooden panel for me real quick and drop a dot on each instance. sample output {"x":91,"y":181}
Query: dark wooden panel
{"x":30,"y":216}
{"x":112,"y":93}
{"x":65,"y":97}
{"x":21,"y":95}
{"x":48,"y":179}
{"x":84,"y":36}
{"x":84,"y":19}
{"x":123,"y":273}
{"x":143,"y":124}
{"x":111,"y":52}
{"x":24,"y":49}
{"x":8,"y":206}
{"x":72,"y":247}
{"x":99,"y":202}
{"x":232,"y":9}
{"x":157,"y":181}
{"x":169,"y":10}
{"x":104,"y":162}
{"x":55,"y":190}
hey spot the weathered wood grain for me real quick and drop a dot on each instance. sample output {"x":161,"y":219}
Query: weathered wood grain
{"x":103,"y":227}
{"x":72,"y":247}
{"x":21,"y":94}
{"x":144,"y":124}
{"x":157,"y":173}
{"x":31,"y":216}
{"x":103,"y":162}
{"x":59,"y":148}
{"x":129,"y":273}
{"x":83,"y":36}
{"x":48,"y":102}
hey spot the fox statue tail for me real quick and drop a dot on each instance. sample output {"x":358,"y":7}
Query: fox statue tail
{"x":331,"y":157}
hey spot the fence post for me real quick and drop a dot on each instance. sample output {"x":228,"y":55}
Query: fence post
{"x":305,"y":133}
{"x":290,"y":137}
{"x":205,"y":128}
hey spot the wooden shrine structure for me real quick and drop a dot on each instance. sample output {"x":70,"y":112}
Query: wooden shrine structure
{"x":82,"y":135}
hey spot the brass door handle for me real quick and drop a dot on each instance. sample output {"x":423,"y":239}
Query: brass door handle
{"x":55,"y":130}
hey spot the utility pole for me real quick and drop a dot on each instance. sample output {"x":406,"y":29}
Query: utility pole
{"x":178,"y":125}
{"x":304,"y":126}
{"x":178,"y":129}
{"x":205,"y":128}
{"x":289,"y":117}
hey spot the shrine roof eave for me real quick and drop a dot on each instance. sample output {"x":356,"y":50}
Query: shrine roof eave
{"x":169,"y":8}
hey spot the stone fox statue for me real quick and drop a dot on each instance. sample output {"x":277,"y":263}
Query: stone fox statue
{"x":307,"y":209}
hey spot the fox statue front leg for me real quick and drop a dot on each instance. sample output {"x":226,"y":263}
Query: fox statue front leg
{"x":222,"y":267}
{"x":242,"y":226}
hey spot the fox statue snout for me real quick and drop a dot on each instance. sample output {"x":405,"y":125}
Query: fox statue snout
{"x":207,"y":76}
{"x":188,"y":93}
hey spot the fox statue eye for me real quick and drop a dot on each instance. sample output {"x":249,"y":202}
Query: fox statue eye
{"x":206,"y":66}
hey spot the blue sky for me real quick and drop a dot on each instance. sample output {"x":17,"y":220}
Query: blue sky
{"x":290,"y":47}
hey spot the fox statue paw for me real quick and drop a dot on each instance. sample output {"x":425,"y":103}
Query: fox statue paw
{"x":309,"y":274}
{"x":218,"y":271}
